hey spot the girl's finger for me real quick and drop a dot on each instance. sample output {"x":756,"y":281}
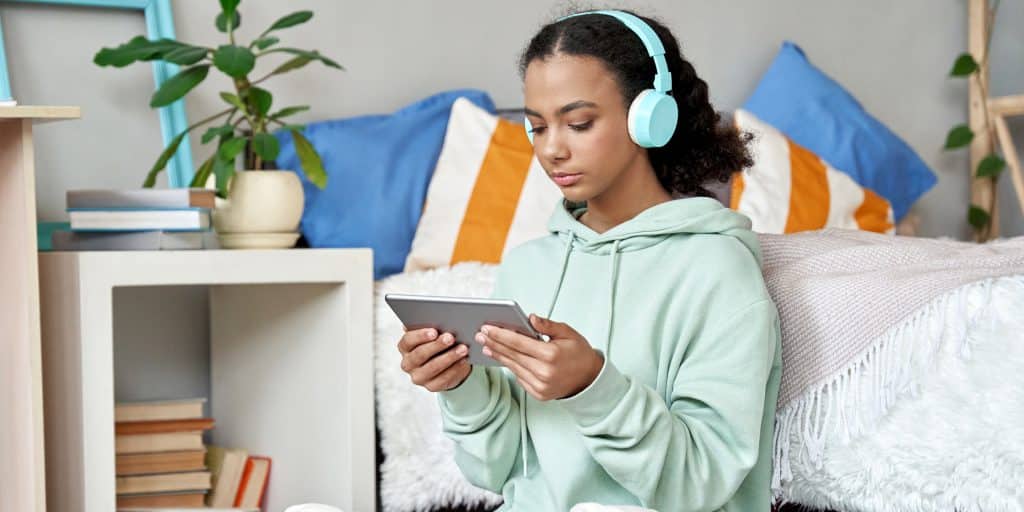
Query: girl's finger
{"x":412,"y":339}
{"x":434,"y":367}
{"x":450,"y":376}
{"x":425,"y":351}
{"x":518,"y":342}
{"x":521,"y":372}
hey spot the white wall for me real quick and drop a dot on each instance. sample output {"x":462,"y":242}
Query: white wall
{"x":894,"y":56}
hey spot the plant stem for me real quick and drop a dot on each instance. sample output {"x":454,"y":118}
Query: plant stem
{"x":261,"y":79}
{"x":274,"y":50}
{"x":211,"y":118}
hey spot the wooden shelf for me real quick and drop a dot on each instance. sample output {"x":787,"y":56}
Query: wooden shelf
{"x":40,"y":112}
{"x":22,"y":468}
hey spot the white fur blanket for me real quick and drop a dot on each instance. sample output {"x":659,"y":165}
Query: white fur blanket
{"x":859,"y":321}
{"x":419,"y":472}
{"x":814,"y":429}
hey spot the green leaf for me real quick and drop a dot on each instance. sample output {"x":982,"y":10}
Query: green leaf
{"x":288,"y":111}
{"x":310,"y":160}
{"x":136,"y":49}
{"x":294,"y":127}
{"x":295,"y":18}
{"x":229,"y":150}
{"x":266,"y":146}
{"x":229,"y":5}
{"x":217,"y":131}
{"x":261,"y":99}
{"x":165,"y":157}
{"x":178,"y":85}
{"x":223,"y":170}
{"x":991,"y":165}
{"x":222,"y":22}
{"x":292,"y":64}
{"x":233,"y":100}
{"x":186,"y":55}
{"x":314,"y":55}
{"x":959,"y":136}
{"x":977,"y":217}
{"x":203,"y":173}
{"x":964,"y":65}
{"x":265,"y":42}
{"x":235,"y":61}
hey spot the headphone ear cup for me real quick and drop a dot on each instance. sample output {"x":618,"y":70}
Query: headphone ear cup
{"x":529,"y":129}
{"x":652,"y":118}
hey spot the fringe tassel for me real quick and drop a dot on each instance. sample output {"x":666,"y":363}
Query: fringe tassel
{"x":850,"y":403}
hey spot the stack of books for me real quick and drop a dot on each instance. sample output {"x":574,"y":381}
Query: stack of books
{"x":163,"y":462}
{"x":137,"y":219}
{"x":160,"y":455}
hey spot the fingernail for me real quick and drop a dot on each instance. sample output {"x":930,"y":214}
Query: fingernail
{"x":487,"y":352}
{"x":432,"y":334}
{"x":448,"y":339}
{"x":485,"y":329}
{"x":479,"y":338}
{"x":461,"y":350}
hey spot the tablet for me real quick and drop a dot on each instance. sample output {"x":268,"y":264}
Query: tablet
{"x":461,"y":316}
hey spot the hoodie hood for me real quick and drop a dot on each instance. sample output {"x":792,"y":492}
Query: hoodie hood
{"x":692,"y":215}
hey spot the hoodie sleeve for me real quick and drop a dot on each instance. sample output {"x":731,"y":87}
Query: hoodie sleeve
{"x":481,"y":416}
{"x":693,"y":452}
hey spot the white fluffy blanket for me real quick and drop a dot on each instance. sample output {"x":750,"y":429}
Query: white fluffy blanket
{"x":952,"y":436}
{"x":419,"y":471}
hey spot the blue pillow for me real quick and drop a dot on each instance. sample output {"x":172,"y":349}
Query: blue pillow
{"x":817,"y":113}
{"x":378,"y":170}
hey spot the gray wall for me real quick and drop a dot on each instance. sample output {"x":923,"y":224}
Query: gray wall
{"x":893,"y":56}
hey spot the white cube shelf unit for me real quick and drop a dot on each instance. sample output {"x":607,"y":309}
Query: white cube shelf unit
{"x":291,"y":366}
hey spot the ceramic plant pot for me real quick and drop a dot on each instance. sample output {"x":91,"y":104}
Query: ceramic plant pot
{"x":262,"y":211}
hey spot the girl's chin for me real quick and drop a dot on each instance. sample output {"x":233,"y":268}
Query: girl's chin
{"x":576,"y":196}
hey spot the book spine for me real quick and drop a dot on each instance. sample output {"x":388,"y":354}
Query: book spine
{"x":161,"y":198}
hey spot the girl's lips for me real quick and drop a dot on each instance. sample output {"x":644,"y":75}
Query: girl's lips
{"x":566,"y":180}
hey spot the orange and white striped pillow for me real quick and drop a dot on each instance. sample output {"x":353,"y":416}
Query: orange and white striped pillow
{"x":488,"y":193}
{"x":791,"y":189}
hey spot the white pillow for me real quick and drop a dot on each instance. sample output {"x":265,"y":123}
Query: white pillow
{"x":487,"y":195}
{"x":791,"y":189}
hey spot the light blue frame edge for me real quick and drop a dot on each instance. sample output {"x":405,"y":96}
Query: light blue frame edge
{"x":159,"y":24}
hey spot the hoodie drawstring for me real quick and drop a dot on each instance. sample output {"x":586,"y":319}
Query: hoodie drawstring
{"x":613,"y":275}
{"x":613,"y":278}
{"x":523,"y":429}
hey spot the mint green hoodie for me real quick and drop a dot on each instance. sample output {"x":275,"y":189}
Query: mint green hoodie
{"x":681,"y":416}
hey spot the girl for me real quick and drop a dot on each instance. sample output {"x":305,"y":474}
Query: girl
{"x":658,"y":385}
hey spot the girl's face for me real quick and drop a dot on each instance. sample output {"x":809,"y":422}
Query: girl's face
{"x":579,"y":124}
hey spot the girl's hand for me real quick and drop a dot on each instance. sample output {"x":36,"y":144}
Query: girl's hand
{"x":428,"y":365}
{"x":559,"y":368}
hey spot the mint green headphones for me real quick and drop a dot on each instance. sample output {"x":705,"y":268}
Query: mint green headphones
{"x":653,"y":114}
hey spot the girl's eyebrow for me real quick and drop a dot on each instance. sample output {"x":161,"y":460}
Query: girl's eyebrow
{"x":565,"y":109}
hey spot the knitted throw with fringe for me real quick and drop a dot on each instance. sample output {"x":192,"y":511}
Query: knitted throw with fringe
{"x":853,"y":306}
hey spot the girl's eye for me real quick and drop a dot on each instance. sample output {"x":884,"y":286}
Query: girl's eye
{"x":538,"y":129}
{"x":581,"y":126}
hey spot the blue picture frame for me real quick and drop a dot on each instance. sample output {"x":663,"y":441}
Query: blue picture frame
{"x":159,"y":24}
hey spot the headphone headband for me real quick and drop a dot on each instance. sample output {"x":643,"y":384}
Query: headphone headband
{"x":651,"y":41}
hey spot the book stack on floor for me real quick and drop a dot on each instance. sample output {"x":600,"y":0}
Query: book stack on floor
{"x":160,"y":456}
{"x":137,"y":219}
{"x":162,"y":461}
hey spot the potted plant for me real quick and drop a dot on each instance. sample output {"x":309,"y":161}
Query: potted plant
{"x":260,"y":207}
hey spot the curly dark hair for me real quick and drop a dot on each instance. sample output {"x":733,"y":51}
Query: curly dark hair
{"x":703,"y":148}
